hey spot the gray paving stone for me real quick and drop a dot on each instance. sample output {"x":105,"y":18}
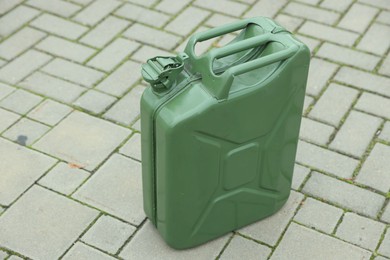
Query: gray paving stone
{"x":3,"y":255}
{"x":104,"y":32}
{"x":116,"y":188}
{"x":370,"y":42}
{"x":82,"y":139}
{"x":384,"y":248}
{"x":16,"y":18}
{"x":336,"y":5}
{"x":356,"y":133}
{"x":146,"y":52}
{"x":216,"y":20}
{"x":137,"y":125}
{"x":376,"y":168}
{"x":119,"y":81}
{"x":172,"y":6}
{"x":318,"y":215}
{"x":5,"y":90}
{"x":108,"y":234}
{"x":148,"y":244}
{"x":328,"y":33}
{"x":378,"y":3}
{"x":315,"y":132}
{"x":113,"y":54}
{"x":20,"y":101}
{"x":94,"y":101}
{"x":58,"y":7}
{"x":360,"y":231}
{"x":64,"y":178}
{"x":310,"y":42}
{"x":15,"y":257}
{"x":49,"y":112}
{"x":326,"y":160}
{"x":386,"y":214}
{"x":267,"y":8}
{"x":132,"y":147}
{"x":384,"y":17}
{"x":345,"y":195}
{"x":8,"y":5}
{"x":229,"y":7}
{"x":147,"y":3}
{"x":33,"y":224}
{"x":7,"y":119}
{"x":127,"y":109}
{"x":26,"y":131}
{"x":242,"y":248}
{"x":19,"y":42}
{"x":385,"y":67}
{"x":96,"y":11}
{"x":364,"y":80}
{"x":333,"y":104}
{"x":380,"y":258}
{"x":52,"y":87}
{"x":320,"y":72}
{"x":358,"y":18}
{"x":311,"y":13}
{"x":289,"y":22}
{"x":65,"y":49}
{"x":299,"y":175}
{"x":23,"y":65}
{"x":82,"y":251}
{"x":307,"y":103}
{"x":270,"y":229}
{"x":347,"y":56}
{"x":151,"y":36}
{"x":385,"y":133}
{"x":306,"y":244}
{"x":187,"y":21}
{"x":142,"y":15}
{"x":58,"y":26}
{"x":82,"y":2}
{"x":374,"y":104}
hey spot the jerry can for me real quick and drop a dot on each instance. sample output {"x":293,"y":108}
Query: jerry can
{"x":220,"y":131}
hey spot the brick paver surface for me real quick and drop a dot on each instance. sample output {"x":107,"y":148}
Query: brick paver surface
{"x":70,"y":86}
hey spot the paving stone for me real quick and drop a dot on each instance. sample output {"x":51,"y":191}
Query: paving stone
{"x":171,"y":6}
{"x":320,"y":72}
{"x":58,"y":7}
{"x":307,"y":103}
{"x":146,"y":52}
{"x":104,"y":32}
{"x":242,"y":248}
{"x":33,"y":224}
{"x":58,"y":26}
{"x":310,"y":42}
{"x":96,"y":11}
{"x":151,"y":36}
{"x":378,"y":3}
{"x":127,"y":109}
{"x":82,"y":139}
{"x":270,"y":229}
{"x":73,"y":72}
{"x":380,"y":258}
{"x":147,"y":3}
{"x":82,"y":2}
{"x":385,"y":67}
{"x":386,"y":214}
{"x":52,"y":87}
{"x":348,"y":56}
{"x":14,"y":257}
{"x":385,"y":133}
{"x":358,"y":18}
{"x":108,"y":234}
{"x":148,"y":244}
{"x":336,"y":5}
{"x":374,"y":104}
{"x":328,"y":33}
{"x":8,"y":5}
{"x":289,"y":22}
{"x":310,"y":2}
{"x":7,"y":119}
{"x":356,"y":133}
{"x":116,"y":188}
{"x":187,"y":21}
{"x":23,"y":65}
{"x":25,"y":132}
{"x":64,"y":178}
{"x":119,"y":81}
{"x":137,"y":125}
{"x":132,"y":147}
{"x":113,"y":54}
{"x":3,"y":255}
{"x":5,"y":90}
{"x":94,"y":101}
{"x":65,"y":49}
{"x":229,"y":7}
{"x":375,"y":170}
{"x":16,"y":18}
{"x":333,"y":104}
{"x":49,"y":112}
{"x":303,"y":243}
{"x":300,"y":174}
{"x":384,"y":248}
{"x":267,"y":8}
{"x":311,"y":13}
{"x":20,"y":101}
{"x":318,"y":215}
{"x":370,"y":42}
{"x":384,"y":17}
{"x":216,"y":20}
{"x":142,"y":15}
{"x":19,"y":42}
{"x":360,"y":231}
{"x":345,"y":195}
{"x":315,"y":132}
{"x":82,"y":251}
{"x":364,"y":80}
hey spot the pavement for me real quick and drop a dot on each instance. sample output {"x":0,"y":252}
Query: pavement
{"x":70,"y":86}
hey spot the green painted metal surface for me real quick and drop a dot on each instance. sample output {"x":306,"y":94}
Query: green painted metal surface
{"x":220,"y":131}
